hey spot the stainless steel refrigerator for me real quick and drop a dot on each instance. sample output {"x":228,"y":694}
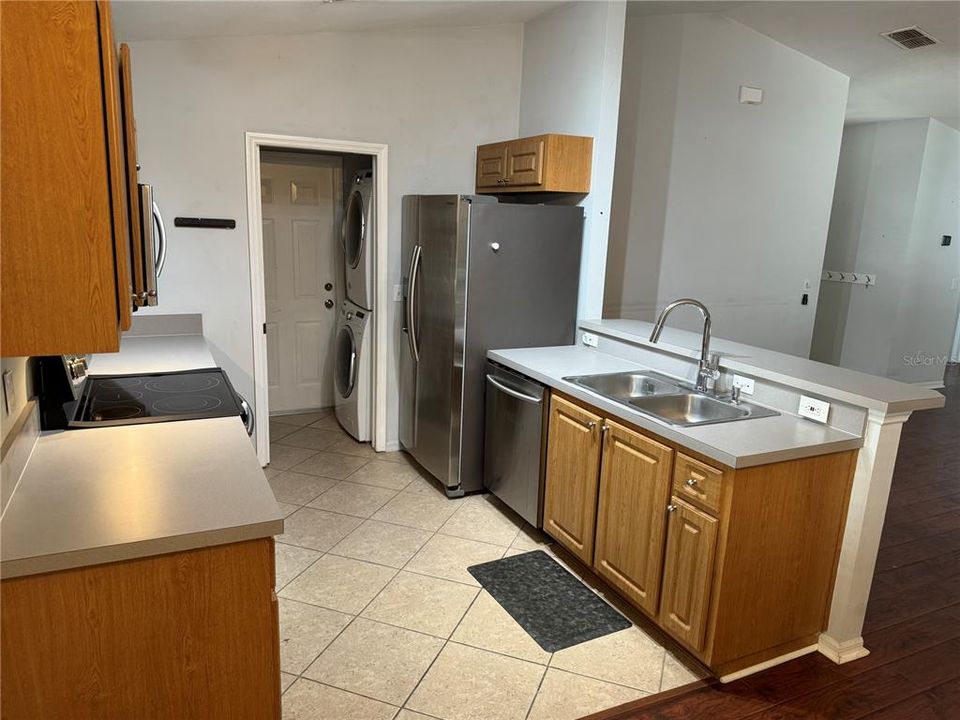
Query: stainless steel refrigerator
{"x":477,"y":275}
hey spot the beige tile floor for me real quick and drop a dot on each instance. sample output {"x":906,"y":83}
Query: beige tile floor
{"x":379,"y":617}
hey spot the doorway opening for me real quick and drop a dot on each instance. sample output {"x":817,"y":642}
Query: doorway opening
{"x":317,"y":220}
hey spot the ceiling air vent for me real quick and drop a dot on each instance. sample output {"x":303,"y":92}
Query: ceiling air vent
{"x":909,"y":38}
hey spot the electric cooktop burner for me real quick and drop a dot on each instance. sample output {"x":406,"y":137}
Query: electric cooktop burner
{"x":157,"y":397}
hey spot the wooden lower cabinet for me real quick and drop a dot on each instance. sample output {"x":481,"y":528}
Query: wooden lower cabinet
{"x":190,"y":635}
{"x":631,"y":514}
{"x":688,"y":573}
{"x":573,"y":462}
{"x":737,"y":565}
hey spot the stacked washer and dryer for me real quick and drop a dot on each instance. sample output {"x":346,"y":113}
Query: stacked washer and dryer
{"x":352,"y":368}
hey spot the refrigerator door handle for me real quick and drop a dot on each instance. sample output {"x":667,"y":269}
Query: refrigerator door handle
{"x":411,"y":325}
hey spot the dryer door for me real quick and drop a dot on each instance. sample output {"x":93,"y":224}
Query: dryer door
{"x":354,"y":229}
{"x":345,"y":372}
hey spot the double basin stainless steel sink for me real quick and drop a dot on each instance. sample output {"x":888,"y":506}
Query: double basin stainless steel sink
{"x":668,"y":400}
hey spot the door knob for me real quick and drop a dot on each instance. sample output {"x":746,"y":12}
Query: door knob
{"x":328,"y":303}
{"x":328,"y":286}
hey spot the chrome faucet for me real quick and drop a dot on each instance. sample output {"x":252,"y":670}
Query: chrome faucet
{"x":709,"y":367}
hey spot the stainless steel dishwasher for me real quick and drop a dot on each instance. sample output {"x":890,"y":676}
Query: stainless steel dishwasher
{"x":515,"y":441}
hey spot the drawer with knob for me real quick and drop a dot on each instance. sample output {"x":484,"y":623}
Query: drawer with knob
{"x":697,"y":482}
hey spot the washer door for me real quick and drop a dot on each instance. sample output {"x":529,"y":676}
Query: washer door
{"x":345,"y":372}
{"x":354,"y":229}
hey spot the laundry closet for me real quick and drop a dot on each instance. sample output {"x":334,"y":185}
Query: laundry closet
{"x":318,"y":253}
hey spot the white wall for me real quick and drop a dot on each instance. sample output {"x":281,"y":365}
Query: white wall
{"x":897,"y":192}
{"x":572,"y":60}
{"x":713,"y":199}
{"x":432,"y":95}
{"x":22,"y":391}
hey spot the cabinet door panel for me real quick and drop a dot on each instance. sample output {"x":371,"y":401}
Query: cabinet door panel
{"x":138,"y":269}
{"x":631,"y":516}
{"x":688,"y":573}
{"x":573,"y":465}
{"x":525,"y":162}
{"x":491,"y":165}
{"x":116,"y":165}
{"x":697,"y":483}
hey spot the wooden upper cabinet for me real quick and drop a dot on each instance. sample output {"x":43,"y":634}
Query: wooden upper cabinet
{"x":117,"y":165}
{"x":573,"y":465}
{"x":133,"y":173}
{"x":491,"y":165}
{"x":525,"y":162}
{"x":688,"y":573}
{"x":65,"y":284}
{"x":543,"y":163}
{"x":632,"y":514}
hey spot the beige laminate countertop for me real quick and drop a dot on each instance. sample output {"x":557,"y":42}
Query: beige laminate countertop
{"x":849,"y":386}
{"x":106,"y":494}
{"x":100,"y":495}
{"x":739,"y":444}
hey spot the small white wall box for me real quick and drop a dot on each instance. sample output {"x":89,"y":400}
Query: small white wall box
{"x":589,"y":339}
{"x":814,"y":409}
{"x":751,"y":95}
{"x":744,"y":383}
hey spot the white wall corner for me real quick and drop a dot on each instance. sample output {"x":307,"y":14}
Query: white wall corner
{"x":593,"y":267}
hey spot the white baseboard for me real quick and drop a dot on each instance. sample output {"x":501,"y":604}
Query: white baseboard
{"x":841,"y":652}
{"x":766,"y":664}
{"x":391,"y":447}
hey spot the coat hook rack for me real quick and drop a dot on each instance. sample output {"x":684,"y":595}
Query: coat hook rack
{"x":865,"y":279}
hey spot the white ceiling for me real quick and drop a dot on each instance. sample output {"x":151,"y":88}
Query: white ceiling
{"x":173,"y":19}
{"x":885,"y":81}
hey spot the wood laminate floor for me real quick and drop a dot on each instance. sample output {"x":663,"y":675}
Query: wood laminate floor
{"x":912,"y":627}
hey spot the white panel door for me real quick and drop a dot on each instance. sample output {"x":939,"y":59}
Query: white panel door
{"x":301,"y":216}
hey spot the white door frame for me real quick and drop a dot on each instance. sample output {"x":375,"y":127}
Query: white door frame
{"x":254,"y":142}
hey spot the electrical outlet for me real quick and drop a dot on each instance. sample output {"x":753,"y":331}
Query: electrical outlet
{"x":589,"y":339}
{"x":814,"y":409}
{"x":397,"y":293}
{"x":744,"y":383}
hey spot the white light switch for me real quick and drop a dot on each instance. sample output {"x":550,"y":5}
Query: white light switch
{"x":814,"y":409}
{"x":751,"y":95}
{"x":589,"y":339}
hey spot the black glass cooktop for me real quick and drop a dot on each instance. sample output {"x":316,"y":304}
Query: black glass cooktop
{"x":155,"y":397}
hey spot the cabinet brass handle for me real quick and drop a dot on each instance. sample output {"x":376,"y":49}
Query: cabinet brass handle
{"x":591,"y":424}
{"x":671,"y":508}
{"x":691,"y":482}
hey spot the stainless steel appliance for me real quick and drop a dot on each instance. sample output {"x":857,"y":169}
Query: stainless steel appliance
{"x":478,"y":274}
{"x":69,"y":398}
{"x":515,"y":441}
{"x":147,"y":265}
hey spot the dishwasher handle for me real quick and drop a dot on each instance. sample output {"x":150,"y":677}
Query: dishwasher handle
{"x":513,"y":393}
